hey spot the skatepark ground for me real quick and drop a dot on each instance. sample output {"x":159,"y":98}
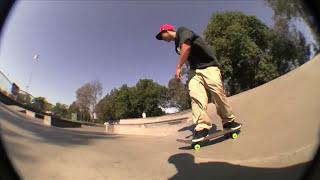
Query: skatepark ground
{"x":279,"y":137}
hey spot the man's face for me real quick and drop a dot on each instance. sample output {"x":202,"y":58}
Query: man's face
{"x":166,"y":36}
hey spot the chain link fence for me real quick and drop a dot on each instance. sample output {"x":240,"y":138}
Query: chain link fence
{"x":12,"y":90}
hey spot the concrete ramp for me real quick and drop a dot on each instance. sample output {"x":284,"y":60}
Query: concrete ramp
{"x":280,"y":119}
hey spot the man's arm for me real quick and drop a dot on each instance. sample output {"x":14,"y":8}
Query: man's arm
{"x":185,"y":52}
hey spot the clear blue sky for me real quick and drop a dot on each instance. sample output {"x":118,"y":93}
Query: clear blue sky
{"x":109,"y":41}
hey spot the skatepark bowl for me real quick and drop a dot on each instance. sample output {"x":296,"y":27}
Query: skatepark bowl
{"x":279,"y":138}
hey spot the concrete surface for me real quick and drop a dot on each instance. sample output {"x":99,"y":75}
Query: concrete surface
{"x":159,"y":128}
{"x":279,"y":137}
{"x":46,"y":119}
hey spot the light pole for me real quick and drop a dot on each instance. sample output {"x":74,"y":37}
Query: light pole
{"x":35,"y":57}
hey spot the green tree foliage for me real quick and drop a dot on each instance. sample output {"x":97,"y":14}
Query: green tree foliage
{"x":41,"y":104}
{"x":285,"y":11}
{"x":178,"y":95}
{"x":60,"y":110}
{"x":24,"y":98}
{"x":130,"y":102}
{"x":150,"y":96}
{"x":83,"y":114}
{"x":288,"y":50}
{"x":249,"y":52}
{"x":74,"y":108}
{"x":122,"y":103}
{"x":105,"y":108}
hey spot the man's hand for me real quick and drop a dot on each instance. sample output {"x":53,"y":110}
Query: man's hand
{"x":178,"y":73}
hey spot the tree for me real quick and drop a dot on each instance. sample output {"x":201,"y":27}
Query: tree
{"x":178,"y":95}
{"x":118,"y":104}
{"x":74,"y":108}
{"x":24,"y":98}
{"x":249,"y":53}
{"x":41,"y":104}
{"x":105,"y":108}
{"x":96,"y":90}
{"x":150,"y":97}
{"x":288,"y":50}
{"x":60,"y":110}
{"x":88,"y":95}
{"x":287,"y":10}
{"x":130,"y":102}
{"x":82,"y":114}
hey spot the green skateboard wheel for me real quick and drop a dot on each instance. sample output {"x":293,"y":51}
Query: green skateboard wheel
{"x":197,"y":147}
{"x":234,"y":136}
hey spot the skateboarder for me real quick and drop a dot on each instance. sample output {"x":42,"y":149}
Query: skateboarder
{"x":205,"y":77}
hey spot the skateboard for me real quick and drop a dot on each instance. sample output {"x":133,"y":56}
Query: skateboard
{"x":227,"y":133}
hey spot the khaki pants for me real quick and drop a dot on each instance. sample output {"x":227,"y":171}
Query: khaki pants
{"x":208,"y":79}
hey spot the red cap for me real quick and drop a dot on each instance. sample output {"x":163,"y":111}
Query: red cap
{"x":165,"y":27}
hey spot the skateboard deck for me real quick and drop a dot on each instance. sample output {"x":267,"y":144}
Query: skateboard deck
{"x":229,"y":133}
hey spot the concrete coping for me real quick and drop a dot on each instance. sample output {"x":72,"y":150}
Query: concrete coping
{"x":158,"y":119}
{"x":176,"y":120}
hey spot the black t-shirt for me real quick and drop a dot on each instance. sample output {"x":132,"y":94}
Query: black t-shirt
{"x":200,"y":56}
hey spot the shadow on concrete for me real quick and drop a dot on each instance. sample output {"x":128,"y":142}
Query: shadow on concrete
{"x":50,"y":135}
{"x":6,"y":167}
{"x":188,"y":128}
{"x":188,"y":169}
{"x":17,"y":151}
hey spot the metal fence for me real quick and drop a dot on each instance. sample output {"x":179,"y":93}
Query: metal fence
{"x":11,"y":89}
{"x":5,"y":83}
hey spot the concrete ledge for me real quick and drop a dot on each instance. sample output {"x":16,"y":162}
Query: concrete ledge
{"x":137,"y":130}
{"x":57,"y":122}
{"x":163,"y":128}
{"x":47,"y":120}
{"x":30,"y":114}
{"x":159,"y":119}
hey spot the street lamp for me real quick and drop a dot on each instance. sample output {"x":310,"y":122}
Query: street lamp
{"x":35,"y":57}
